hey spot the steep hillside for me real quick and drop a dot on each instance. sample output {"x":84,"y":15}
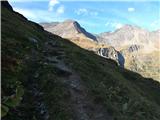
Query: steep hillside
{"x":46,"y":77}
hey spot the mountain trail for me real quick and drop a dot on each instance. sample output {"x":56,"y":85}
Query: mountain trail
{"x":81,"y":103}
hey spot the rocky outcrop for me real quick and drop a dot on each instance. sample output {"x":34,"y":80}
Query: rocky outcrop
{"x":131,"y":49}
{"x":111,"y":53}
{"x":134,"y":48}
{"x":6,"y":5}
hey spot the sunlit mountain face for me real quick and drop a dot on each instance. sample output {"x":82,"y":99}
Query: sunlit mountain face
{"x":94,"y":16}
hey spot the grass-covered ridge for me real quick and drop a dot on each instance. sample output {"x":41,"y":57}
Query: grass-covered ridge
{"x":29,"y":79}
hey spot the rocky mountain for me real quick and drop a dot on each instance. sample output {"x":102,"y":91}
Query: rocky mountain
{"x":67,"y":29}
{"x":130,"y":35}
{"x":46,"y":77}
{"x":140,"y":48}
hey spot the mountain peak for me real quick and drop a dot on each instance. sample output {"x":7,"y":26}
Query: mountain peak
{"x":68,"y":29}
{"x":70,"y":21}
{"x":128,"y":26}
{"x":136,"y":27}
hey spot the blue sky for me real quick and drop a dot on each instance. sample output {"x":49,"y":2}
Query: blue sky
{"x":95,"y":16}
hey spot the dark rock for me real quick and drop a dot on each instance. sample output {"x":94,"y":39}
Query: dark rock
{"x":113,"y":54}
{"x":121,"y":59}
{"x":133,"y":48}
{"x":82,"y":30}
{"x":6,"y":5}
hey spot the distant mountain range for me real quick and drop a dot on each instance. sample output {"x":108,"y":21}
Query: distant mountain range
{"x":136,"y":49}
{"x":131,"y":35}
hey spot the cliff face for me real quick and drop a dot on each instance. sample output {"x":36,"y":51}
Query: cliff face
{"x":111,"y":53}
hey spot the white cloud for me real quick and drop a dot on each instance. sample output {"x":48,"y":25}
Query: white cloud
{"x":114,"y":24}
{"x":51,"y":4}
{"x":131,"y":9}
{"x":94,"y":13}
{"x":155,"y":23}
{"x":60,"y":10}
{"x":81,"y":11}
{"x":84,"y":11}
{"x":107,"y":24}
{"x":118,"y":25}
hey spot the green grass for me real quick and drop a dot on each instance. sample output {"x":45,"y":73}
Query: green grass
{"x":125,"y":94}
{"x":116,"y":87}
{"x":21,"y":61}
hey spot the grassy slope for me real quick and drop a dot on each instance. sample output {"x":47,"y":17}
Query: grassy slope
{"x":22,"y":60}
{"x":126,"y":95}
